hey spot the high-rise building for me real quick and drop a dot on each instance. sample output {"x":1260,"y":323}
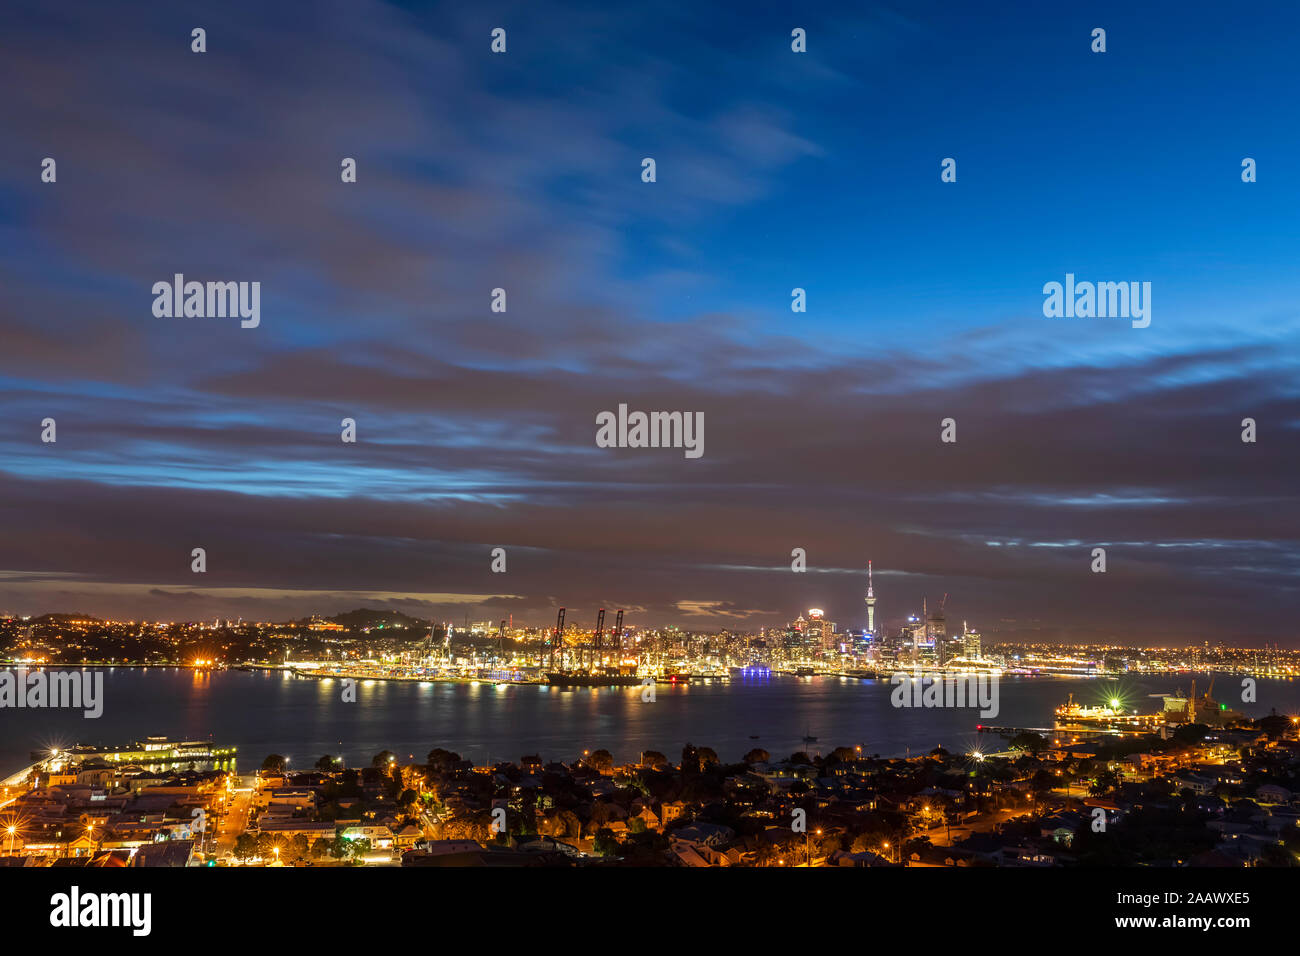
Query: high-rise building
{"x":970,"y":641}
{"x":936,"y":633}
{"x":820,"y":633}
{"x":796,"y":631}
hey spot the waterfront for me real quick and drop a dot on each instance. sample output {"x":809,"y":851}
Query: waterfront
{"x":268,"y":712}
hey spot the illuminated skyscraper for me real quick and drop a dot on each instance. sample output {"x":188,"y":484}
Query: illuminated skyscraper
{"x":820,"y":632}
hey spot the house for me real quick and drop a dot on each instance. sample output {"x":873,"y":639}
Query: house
{"x":380,"y":837}
{"x":302,"y":799}
{"x":1281,"y":818}
{"x":406,"y":837}
{"x":707,"y":834}
{"x":647,"y":816}
{"x":1060,"y":827}
{"x":1193,"y":782}
{"x":1027,"y":856}
{"x":443,"y":847}
{"x":167,"y":853}
{"x":670,"y":811}
{"x":1271,"y":793}
{"x":290,"y":828}
{"x":687,"y":855}
{"x":865,"y":858}
{"x":546,"y":844}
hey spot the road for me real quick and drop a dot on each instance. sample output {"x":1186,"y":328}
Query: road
{"x":233,"y":822}
{"x":985,"y":823}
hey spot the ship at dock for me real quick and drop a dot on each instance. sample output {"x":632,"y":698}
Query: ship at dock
{"x":1106,"y":718}
{"x":590,"y":679}
{"x":597,"y":672}
{"x":1189,"y":708}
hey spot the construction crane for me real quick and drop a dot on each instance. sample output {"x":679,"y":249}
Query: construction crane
{"x":559,"y":634}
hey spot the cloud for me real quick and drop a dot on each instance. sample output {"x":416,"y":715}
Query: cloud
{"x":476,"y":428}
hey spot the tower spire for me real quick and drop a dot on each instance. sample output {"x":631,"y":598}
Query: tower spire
{"x":871,"y":602}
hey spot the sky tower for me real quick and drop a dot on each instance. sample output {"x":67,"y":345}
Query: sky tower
{"x":871,"y":603}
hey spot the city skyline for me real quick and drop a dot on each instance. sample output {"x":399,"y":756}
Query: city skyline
{"x":775,"y":171}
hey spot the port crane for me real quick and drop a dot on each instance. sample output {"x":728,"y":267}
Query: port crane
{"x":597,"y":654}
{"x":559,"y":634}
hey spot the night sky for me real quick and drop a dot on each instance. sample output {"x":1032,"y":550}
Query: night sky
{"x":775,"y":170}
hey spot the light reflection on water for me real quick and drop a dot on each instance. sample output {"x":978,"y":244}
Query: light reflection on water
{"x":267,"y":712}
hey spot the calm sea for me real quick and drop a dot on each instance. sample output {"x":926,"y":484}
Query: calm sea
{"x":263,"y":713}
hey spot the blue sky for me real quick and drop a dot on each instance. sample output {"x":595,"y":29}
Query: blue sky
{"x":775,"y":170}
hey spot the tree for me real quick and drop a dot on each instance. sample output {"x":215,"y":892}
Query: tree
{"x":326,"y":763}
{"x":321,"y":847}
{"x":274,"y":763}
{"x":1275,"y":725}
{"x":861,"y":843}
{"x":690,"y":760}
{"x":383,"y":759}
{"x":268,"y":844}
{"x":1043,"y":781}
{"x":562,"y":823}
{"x":653,"y":759}
{"x":245,"y":846}
{"x":442,"y":759}
{"x":1028,"y":741}
{"x":757,"y":755}
{"x":1190,"y":733}
{"x":604,"y":843}
{"x":601,"y":760}
{"x":1105,"y":782}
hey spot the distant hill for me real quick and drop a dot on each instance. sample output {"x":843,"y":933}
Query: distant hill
{"x":368,"y":617}
{"x":63,"y":618}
